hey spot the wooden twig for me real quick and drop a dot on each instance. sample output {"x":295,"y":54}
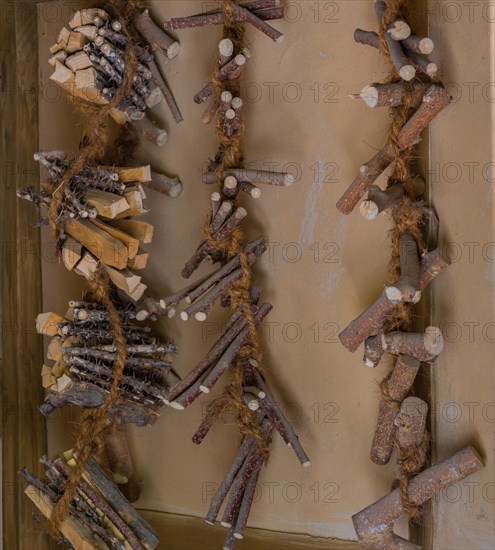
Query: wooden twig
{"x":156,"y":38}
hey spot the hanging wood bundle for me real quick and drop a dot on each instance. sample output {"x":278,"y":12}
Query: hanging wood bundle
{"x":385,"y":326}
{"x":82,"y":351}
{"x":95,"y":217}
{"x":89,"y":61}
{"x":99,"y":516}
{"x":237,"y":349}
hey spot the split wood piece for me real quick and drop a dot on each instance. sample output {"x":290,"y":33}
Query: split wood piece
{"x":71,"y":528}
{"x":78,"y":61}
{"x":118,"y":454}
{"x":379,"y":201}
{"x":398,"y":57}
{"x":244,"y":450}
{"x":215,"y":17}
{"x":100,"y":503}
{"x":134,"y":365}
{"x":48,"y":324}
{"x":106,"y":248}
{"x":130,"y":174}
{"x":127,"y":281}
{"x":142,"y":529}
{"x":374,"y":524}
{"x":153,"y":34}
{"x":130,"y":242}
{"x":284,"y":427}
{"x":392,"y":94}
{"x":167,"y":94}
{"x":230,"y":353}
{"x":203,"y":306}
{"x":150,"y":132}
{"x":135,"y":199}
{"x":423,"y":65}
{"x":204,"y":248}
{"x":406,"y":289}
{"x":87,"y":266}
{"x":395,"y":388}
{"x":255,"y":177}
{"x":87,"y":17}
{"x":107,"y":204}
{"x":253,"y":250}
{"x":372,"y":320}
{"x":425,"y":346}
{"x":229,"y":71}
{"x":141,"y":231}
{"x":434,"y":101}
{"x":419,"y":45}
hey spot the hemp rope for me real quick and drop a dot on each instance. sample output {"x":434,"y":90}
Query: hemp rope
{"x":407,"y":216}
{"x":96,"y":139}
{"x":230,"y":156}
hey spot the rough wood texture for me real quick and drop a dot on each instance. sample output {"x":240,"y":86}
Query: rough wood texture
{"x":435,"y":99}
{"x":396,"y":388}
{"x":374,"y":524}
{"x":23,"y":429}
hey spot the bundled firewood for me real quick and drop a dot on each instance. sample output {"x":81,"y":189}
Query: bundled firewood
{"x":95,"y":217}
{"x":89,"y":58}
{"x":99,"y":516}
{"x":81,"y":354}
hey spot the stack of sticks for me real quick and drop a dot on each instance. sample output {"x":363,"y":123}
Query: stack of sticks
{"x":401,"y":420}
{"x":81,"y":354}
{"x":99,"y":516}
{"x":236,"y":349}
{"x":89,"y":62}
{"x":97,"y":208}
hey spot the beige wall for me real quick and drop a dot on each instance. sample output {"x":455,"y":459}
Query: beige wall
{"x":321,"y":271}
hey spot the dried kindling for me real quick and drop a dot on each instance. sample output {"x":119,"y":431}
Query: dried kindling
{"x":148,"y":306}
{"x":373,"y":319}
{"x":396,"y":387}
{"x":156,"y":38}
{"x":406,"y":289}
{"x":374,"y":524}
{"x":255,"y":177}
{"x":392,"y":94}
{"x":434,"y":101}
{"x":230,"y":353}
{"x":425,"y":346}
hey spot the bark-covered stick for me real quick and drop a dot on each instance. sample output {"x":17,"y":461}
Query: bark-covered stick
{"x":374,"y":524}
{"x":396,"y":388}
{"x":392,"y":94}
{"x":381,"y":201}
{"x":419,"y":45}
{"x":406,"y":289}
{"x":219,"y":218}
{"x":150,"y":132}
{"x":230,"y":353}
{"x":153,"y":34}
{"x":434,"y":101}
{"x":256,"y":177}
{"x":167,"y":94}
{"x":247,"y":500}
{"x":372,"y":320}
{"x":250,"y":17}
{"x":425,"y":346}
{"x":399,"y":59}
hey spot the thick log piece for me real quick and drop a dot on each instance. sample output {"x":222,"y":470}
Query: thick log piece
{"x":392,"y":94}
{"x":153,"y":34}
{"x":406,"y":289}
{"x":434,"y":101}
{"x":405,"y":69}
{"x":394,"y":390}
{"x":373,"y":319}
{"x":374,"y":524}
{"x":425,"y":346}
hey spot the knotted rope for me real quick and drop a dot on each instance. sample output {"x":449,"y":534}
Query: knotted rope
{"x":230,"y":156}
{"x":408,"y":216}
{"x":94,"y":421}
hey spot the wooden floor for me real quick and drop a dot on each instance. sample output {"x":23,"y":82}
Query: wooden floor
{"x":189,"y":533}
